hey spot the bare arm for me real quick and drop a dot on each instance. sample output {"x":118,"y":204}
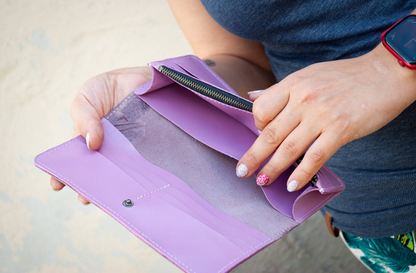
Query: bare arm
{"x":241,"y":63}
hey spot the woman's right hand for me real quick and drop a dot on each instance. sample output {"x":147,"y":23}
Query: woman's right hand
{"x":95,"y":99}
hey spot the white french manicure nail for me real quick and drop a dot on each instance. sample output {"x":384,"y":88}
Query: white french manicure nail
{"x":254,"y":92}
{"x":259,"y":131}
{"x":242,"y":170}
{"x":87,"y":138}
{"x":292,"y":185}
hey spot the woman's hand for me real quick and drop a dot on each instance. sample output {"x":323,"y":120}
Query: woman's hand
{"x":95,"y":99}
{"x":324,"y":106}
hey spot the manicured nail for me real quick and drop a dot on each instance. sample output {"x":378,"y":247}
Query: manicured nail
{"x":259,"y":131}
{"x":292,"y":185}
{"x":242,"y":170}
{"x":254,"y":92}
{"x":87,"y":138}
{"x":262,"y":179}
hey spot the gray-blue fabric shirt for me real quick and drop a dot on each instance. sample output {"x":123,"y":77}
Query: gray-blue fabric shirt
{"x":379,"y":170}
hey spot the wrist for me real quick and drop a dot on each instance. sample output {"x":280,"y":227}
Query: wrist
{"x":385,"y":63}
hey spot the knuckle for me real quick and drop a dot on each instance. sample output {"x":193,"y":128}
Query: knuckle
{"x":289,"y":148}
{"x":305,"y":173}
{"x":78,"y":100}
{"x":260,"y":115}
{"x":307,"y":97}
{"x":317,"y":156}
{"x":272,"y":170}
{"x":252,"y":158}
{"x":270,"y":136}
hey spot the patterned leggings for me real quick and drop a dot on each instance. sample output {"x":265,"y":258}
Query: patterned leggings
{"x":390,"y":254}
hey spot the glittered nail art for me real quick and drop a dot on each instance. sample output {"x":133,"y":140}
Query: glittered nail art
{"x":262,"y":179}
{"x":242,"y":170}
{"x":292,"y":185}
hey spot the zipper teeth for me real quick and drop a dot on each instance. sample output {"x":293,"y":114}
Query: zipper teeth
{"x":202,"y":89}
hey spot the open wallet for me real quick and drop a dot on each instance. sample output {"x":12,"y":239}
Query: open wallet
{"x":166,"y":171}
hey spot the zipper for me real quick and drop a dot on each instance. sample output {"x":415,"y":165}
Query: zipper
{"x":216,"y":94}
{"x":206,"y":89}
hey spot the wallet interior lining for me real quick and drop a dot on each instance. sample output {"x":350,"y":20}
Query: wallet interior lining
{"x":209,"y":173}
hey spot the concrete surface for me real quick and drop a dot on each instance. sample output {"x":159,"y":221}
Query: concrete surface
{"x":48,"y":48}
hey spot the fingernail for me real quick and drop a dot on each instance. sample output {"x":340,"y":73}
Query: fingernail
{"x":259,"y":131}
{"x":254,"y":92}
{"x":242,"y":170}
{"x":292,"y":185}
{"x":262,"y":179}
{"x":87,"y":138}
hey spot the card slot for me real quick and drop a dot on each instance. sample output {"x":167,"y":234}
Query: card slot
{"x":144,"y":166}
{"x":115,"y":139}
{"x":73,"y":161}
{"x":182,"y":235}
{"x":240,"y":234}
{"x":117,"y":153}
{"x":164,"y":227}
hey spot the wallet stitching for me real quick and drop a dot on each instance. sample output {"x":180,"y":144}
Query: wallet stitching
{"x":120,"y":217}
{"x":143,"y":195}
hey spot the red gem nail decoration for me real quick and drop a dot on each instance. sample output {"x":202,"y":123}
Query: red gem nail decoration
{"x":262,"y":179}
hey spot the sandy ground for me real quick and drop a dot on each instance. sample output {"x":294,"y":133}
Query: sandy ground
{"x":47,"y":50}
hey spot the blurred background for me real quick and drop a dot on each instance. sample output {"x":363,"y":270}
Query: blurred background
{"x":48,"y":48}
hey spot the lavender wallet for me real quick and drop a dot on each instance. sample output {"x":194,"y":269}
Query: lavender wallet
{"x":166,"y":171}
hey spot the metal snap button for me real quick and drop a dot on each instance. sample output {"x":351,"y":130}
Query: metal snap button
{"x":128,"y":203}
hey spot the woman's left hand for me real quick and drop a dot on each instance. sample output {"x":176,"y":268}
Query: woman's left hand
{"x":323,"y":107}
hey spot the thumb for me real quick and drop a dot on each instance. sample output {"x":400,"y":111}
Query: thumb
{"x":87,"y":123}
{"x":255,"y":94}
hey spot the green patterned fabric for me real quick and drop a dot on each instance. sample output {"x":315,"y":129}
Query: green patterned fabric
{"x":383,"y":255}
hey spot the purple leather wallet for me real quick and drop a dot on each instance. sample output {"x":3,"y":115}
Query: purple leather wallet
{"x":166,"y":171}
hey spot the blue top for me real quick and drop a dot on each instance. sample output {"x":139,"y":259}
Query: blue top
{"x":379,"y":170}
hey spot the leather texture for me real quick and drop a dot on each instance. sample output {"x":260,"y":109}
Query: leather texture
{"x":188,"y":203}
